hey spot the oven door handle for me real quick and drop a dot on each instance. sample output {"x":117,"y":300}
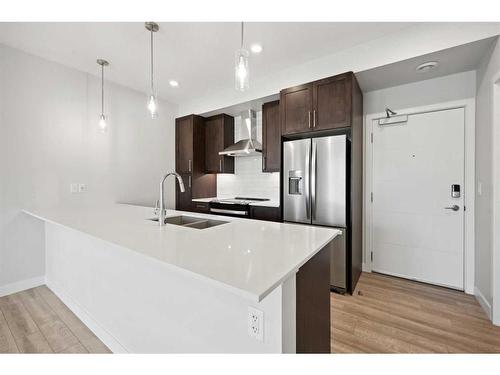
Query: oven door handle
{"x":229,"y":212}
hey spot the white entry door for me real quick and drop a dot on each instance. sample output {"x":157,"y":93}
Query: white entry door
{"x":415,"y":233}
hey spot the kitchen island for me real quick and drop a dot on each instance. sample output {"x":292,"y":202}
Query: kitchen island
{"x":148,"y":289}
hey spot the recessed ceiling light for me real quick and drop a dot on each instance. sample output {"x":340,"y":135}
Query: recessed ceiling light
{"x":426,"y":66}
{"x":256,"y":48}
{"x":173,"y":83}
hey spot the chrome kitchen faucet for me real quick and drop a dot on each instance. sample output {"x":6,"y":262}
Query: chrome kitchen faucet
{"x":162,"y":210}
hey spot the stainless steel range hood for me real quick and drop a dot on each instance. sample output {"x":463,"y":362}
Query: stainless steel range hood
{"x":248,"y":146}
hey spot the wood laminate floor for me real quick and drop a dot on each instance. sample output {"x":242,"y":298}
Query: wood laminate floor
{"x":36,"y":321}
{"x":393,"y":315}
{"x":385,"y":315}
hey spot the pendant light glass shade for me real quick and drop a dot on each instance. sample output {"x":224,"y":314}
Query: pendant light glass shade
{"x":103,"y":125}
{"x":152,"y":27}
{"x":241,"y":71}
{"x":152,"y":107}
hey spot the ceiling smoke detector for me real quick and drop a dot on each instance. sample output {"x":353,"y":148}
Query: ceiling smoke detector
{"x":427,"y":66}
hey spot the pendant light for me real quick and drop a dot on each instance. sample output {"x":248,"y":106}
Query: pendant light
{"x":152,"y":27}
{"x":241,"y":72}
{"x":103,"y":126}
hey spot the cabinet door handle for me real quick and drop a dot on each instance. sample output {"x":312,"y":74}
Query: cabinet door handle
{"x":189,"y":182}
{"x":263,"y":161}
{"x":309,"y":119}
{"x":220,"y":165}
{"x":314,"y":118}
{"x":190,"y":165}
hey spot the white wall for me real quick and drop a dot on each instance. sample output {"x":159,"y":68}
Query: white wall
{"x":485,"y":162}
{"x":49,"y":138}
{"x":248,"y":179}
{"x":433,"y":91}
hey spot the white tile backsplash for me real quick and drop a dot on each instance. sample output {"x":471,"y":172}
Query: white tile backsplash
{"x":248,"y":179}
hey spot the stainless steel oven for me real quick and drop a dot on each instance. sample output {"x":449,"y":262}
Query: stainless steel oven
{"x":236,"y":207}
{"x":230,"y":209}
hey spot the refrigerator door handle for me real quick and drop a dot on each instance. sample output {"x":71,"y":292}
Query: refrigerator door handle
{"x":306,"y":184}
{"x":313,"y":179}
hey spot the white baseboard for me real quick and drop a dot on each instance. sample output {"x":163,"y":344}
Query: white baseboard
{"x":108,"y":339}
{"x":483,"y":302}
{"x":19,"y":286}
{"x":495,"y":321}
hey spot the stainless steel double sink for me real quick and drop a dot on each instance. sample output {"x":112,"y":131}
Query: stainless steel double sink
{"x":192,"y":222}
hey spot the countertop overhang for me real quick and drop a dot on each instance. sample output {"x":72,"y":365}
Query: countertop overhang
{"x":248,"y":257}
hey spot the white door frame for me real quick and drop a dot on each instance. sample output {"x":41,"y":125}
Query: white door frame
{"x":495,"y":268}
{"x":469,"y":106}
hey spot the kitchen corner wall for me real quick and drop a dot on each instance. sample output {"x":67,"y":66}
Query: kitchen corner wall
{"x":487,"y":162}
{"x":49,"y":138}
{"x":248,"y":179}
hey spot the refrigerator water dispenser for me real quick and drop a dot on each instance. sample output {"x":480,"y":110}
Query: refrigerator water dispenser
{"x":295,"y":182}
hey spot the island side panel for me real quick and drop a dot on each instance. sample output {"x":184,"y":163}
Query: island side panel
{"x":313,"y":304}
{"x":137,"y":304}
{"x":288,"y":320}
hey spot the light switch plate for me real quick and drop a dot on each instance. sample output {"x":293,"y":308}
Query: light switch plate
{"x":82,"y":188}
{"x":73,"y":188}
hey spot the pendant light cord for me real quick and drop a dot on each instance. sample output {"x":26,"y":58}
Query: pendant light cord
{"x":152,"y":71}
{"x":242,"y":30}
{"x":102,"y":89}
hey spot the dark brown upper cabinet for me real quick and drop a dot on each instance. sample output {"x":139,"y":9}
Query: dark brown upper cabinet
{"x":296,"y":109}
{"x":219,"y":134}
{"x":332,"y":101}
{"x":190,"y":162}
{"x":320,"y":105}
{"x":184,"y":132}
{"x":183,"y":200}
{"x":271,"y":137}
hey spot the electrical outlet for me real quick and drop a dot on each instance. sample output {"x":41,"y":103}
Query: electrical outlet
{"x":256,"y":323}
{"x":73,"y":188}
{"x":82,"y":188}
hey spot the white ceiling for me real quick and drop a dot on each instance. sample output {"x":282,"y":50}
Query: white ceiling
{"x":462,"y":58}
{"x":198,"y":55}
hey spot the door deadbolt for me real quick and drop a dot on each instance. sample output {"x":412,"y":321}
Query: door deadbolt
{"x":455,"y":191}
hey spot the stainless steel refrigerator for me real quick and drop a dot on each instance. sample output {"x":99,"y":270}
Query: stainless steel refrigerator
{"x":315,"y":191}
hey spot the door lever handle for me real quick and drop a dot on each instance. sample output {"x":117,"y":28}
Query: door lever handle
{"x":454,"y":208}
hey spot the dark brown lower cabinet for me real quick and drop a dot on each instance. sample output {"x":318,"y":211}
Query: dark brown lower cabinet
{"x":265,"y":213}
{"x":313,"y":304}
{"x":201,"y":207}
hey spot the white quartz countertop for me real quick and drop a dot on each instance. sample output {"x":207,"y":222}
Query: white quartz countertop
{"x":269,"y":203}
{"x":248,"y":257}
